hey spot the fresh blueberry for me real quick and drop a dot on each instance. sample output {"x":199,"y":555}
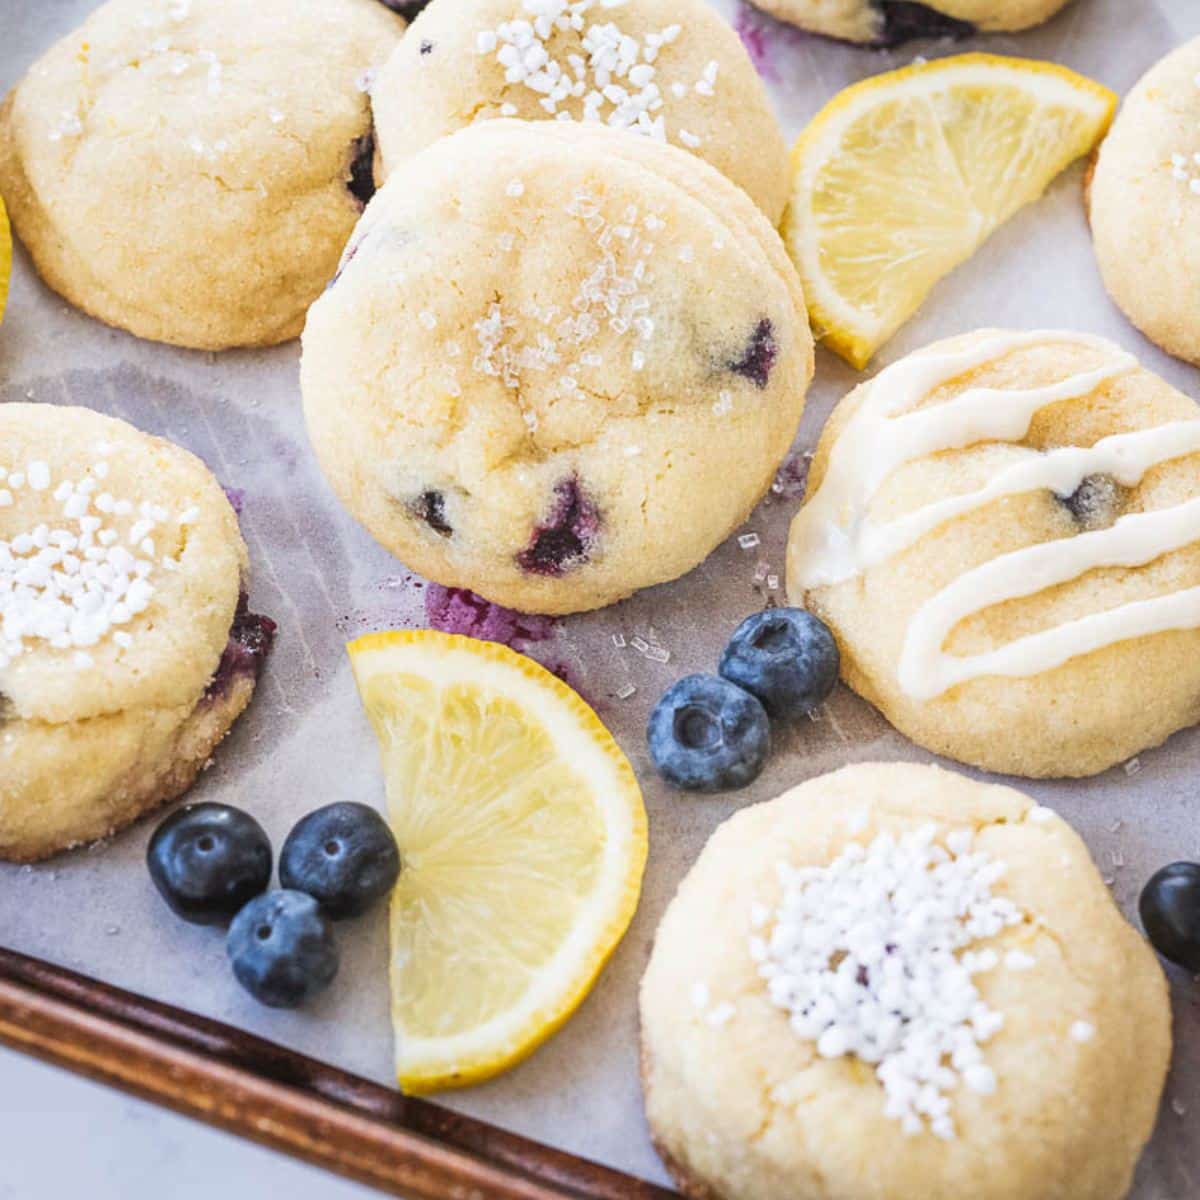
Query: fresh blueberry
{"x":565,"y":538}
{"x":784,"y":656}
{"x":1170,"y":910}
{"x":708,"y":735}
{"x":344,"y":856}
{"x":361,"y":180}
{"x":904,"y":20}
{"x":282,"y":950}
{"x":208,"y":860}
{"x":759,"y":355}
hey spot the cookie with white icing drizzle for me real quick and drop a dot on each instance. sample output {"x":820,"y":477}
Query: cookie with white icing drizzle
{"x":896,"y":982}
{"x":126,"y":647}
{"x":559,"y":364}
{"x":1003,"y":531}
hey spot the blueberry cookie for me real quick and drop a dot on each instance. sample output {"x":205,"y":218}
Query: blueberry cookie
{"x":1145,"y":205}
{"x":559,"y":363}
{"x":895,"y":982}
{"x":672,"y":70}
{"x":1003,"y":533}
{"x":890,"y":22}
{"x":126,"y":649}
{"x":190,"y":170}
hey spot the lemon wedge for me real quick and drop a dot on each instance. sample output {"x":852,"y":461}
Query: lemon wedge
{"x":523,"y":838}
{"x":5,"y":257}
{"x":902,"y":177}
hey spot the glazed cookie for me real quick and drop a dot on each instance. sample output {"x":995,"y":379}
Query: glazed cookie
{"x":890,"y":22}
{"x":1003,"y":532}
{"x":126,"y":650}
{"x":1145,"y":205}
{"x":894,"y":982}
{"x":190,"y":170}
{"x":670,"y":69}
{"x":559,"y":364}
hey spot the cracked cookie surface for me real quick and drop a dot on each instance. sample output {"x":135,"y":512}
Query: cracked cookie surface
{"x":743,"y":1106}
{"x":560,"y":363}
{"x":186,"y":169}
{"x":126,"y":650}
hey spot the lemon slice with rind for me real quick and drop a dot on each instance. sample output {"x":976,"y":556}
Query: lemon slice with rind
{"x":523,"y":839}
{"x":902,"y":177}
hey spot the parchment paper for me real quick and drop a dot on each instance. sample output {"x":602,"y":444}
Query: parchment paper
{"x":305,"y":741}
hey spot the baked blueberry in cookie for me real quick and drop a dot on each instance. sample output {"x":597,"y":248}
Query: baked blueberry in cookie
{"x":225,"y":126}
{"x":1003,"y":533}
{"x":250,"y":640}
{"x":127,"y":647}
{"x":361,"y":183}
{"x":1095,"y":503}
{"x":759,"y":356}
{"x":887,"y":23}
{"x":527,"y":386}
{"x":430,"y":507}
{"x":564,"y":540}
{"x":874,"y":986}
{"x":904,"y":21}
{"x":667,"y":70}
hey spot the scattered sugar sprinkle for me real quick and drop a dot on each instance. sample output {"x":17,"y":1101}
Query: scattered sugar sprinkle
{"x":1183,"y":167}
{"x":722,"y":1014}
{"x":1133,"y":766}
{"x":614,"y":80}
{"x":618,"y":640}
{"x":748,"y":541}
{"x":871,"y":956}
{"x":69,"y":125}
{"x":626,"y":691}
{"x":610,"y":294}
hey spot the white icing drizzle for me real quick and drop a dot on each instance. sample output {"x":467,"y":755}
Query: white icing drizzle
{"x":833,"y":539}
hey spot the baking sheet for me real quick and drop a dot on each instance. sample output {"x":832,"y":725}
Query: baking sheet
{"x":305,"y":741}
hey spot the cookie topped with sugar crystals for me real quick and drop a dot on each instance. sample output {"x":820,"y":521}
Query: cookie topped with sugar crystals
{"x":669,"y":70}
{"x":126,"y":649}
{"x":559,"y":363}
{"x":894,"y":981}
